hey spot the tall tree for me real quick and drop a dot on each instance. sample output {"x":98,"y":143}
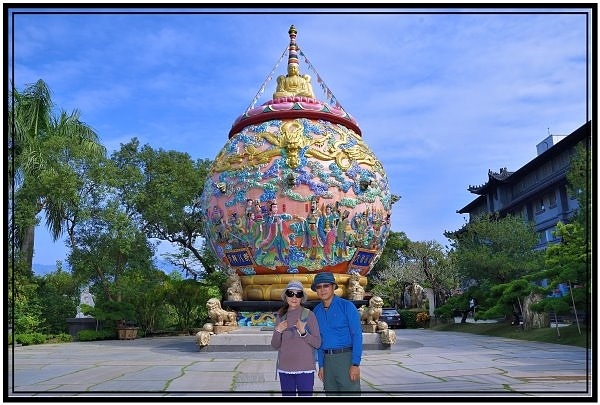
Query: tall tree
{"x":145,"y":289}
{"x":494,"y":253}
{"x":435,"y":268}
{"x":386,"y":277}
{"x":163,"y":188}
{"x":579,"y":180}
{"x":568,"y":263}
{"x":424,"y":263}
{"x":41,"y":149}
{"x":395,"y":246}
{"x":58,"y":294}
{"x":494,"y":249}
{"x":109,"y":245}
{"x":188,"y":298}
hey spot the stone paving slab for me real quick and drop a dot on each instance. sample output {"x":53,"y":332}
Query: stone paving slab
{"x":423,"y":363}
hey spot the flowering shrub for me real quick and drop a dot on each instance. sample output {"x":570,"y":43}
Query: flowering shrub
{"x":422,"y":317}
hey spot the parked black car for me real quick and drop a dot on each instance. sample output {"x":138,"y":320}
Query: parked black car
{"x":392,"y":318}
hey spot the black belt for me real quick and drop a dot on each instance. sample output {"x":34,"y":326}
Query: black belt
{"x":336,"y":351}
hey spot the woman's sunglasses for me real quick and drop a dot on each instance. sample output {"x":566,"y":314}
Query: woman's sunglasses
{"x":298,"y":294}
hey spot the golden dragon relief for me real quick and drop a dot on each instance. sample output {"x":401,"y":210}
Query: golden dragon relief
{"x":292,"y":140}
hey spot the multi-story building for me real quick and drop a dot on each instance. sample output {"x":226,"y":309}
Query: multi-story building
{"x":538,"y":190}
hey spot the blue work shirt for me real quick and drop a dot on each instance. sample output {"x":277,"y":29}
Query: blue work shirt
{"x":340,"y":328}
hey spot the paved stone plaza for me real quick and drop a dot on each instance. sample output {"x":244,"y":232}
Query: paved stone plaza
{"x":423,"y":363}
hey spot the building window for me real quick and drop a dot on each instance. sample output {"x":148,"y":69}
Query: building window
{"x":539,"y":207}
{"x":524,"y":213}
{"x":552,"y":199}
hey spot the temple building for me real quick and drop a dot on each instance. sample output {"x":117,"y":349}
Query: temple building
{"x":537,"y":191}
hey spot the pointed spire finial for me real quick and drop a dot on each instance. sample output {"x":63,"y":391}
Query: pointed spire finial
{"x":293,"y":49}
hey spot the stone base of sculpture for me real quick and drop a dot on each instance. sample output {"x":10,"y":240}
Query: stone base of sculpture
{"x":369,"y":328}
{"x":217,"y":329}
{"x":268,"y":287}
{"x":77,"y":324}
{"x":224,"y":322}
{"x":262,"y":313}
{"x":258,"y":339}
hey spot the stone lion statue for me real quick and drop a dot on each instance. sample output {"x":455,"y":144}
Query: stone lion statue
{"x":203,"y":337}
{"x":370,"y":315}
{"x":355,"y":290}
{"x":218,"y":314}
{"x":234,"y":288}
{"x":388,"y":337}
{"x":381,"y":326}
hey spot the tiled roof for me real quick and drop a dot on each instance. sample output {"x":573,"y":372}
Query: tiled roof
{"x":493,"y":177}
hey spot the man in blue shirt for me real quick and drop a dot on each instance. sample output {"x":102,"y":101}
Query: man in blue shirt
{"x":341,"y":338}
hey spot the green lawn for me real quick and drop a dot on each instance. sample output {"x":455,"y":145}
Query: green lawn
{"x":569,"y":335}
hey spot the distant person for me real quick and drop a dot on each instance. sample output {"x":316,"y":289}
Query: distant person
{"x":341,"y":339}
{"x":516,"y":315}
{"x":296,"y":336}
{"x":471,"y":309}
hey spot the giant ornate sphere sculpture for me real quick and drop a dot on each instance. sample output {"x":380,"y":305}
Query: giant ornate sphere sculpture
{"x":295,"y":191}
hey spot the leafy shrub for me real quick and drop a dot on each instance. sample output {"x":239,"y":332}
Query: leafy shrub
{"x":37,"y":338}
{"x":25,"y":323}
{"x":60,"y":338}
{"x":27,"y":339}
{"x":446,"y":313}
{"x":454,"y":306}
{"x":414,"y":318}
{"x":409,"y":318}
{"x":87,"y":335}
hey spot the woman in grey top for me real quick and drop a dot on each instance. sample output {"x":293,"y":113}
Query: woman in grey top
{"x":296,"y":336}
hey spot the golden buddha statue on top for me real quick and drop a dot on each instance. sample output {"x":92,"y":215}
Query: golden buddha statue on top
{"x":293,"y":84}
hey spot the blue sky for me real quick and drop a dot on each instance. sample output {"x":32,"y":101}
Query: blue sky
{"x":442,"y":95}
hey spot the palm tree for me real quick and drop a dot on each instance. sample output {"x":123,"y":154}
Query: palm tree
{"x":41,"y":151}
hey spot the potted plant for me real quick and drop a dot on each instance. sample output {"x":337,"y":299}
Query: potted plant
{"x":126,"y":332}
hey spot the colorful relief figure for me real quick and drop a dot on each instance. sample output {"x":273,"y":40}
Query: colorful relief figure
{"x":341,"y":250}
{"x":329,"y":221}
{"x":330,"y":160}
{"x":277,"y":232}
{"x":313,"y":237}
{"x":254,"y":230}
{"x":217,"y":225}
{"x":235,"y":230}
